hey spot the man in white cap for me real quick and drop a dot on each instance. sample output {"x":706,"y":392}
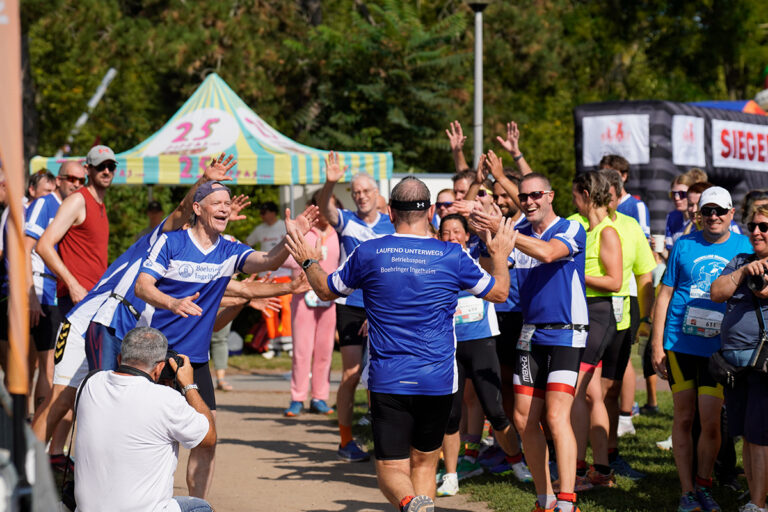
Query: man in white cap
{"x":686,"y":331}
{"x":81,"y":230}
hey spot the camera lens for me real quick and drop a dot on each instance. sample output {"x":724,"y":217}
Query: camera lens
{"x":756,"y":283}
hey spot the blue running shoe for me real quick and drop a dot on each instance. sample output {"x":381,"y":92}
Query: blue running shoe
{"x":491,"y":457}
{"x":622,"y":467}
{"x":688,"y":503}
{"x":294,"y":409}
{"x":319,"y":407}
{"x":705,"y":499}
{"x":352,"y":453}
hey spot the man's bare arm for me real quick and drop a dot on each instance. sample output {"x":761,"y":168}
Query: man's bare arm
{"x":147,"y":291}
{"x":511,"y":144}
{"x":259,"y":261}
{"x":185,"y":376}
{"x":544,"y":251}
{"x":456,"y":139}
{"x":333,"y":173}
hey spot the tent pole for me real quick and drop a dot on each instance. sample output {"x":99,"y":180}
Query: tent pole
{"x":290,"y":200}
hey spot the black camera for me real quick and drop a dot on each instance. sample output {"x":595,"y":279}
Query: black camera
{"x":756,"y":283}
{"x":168,"y":374}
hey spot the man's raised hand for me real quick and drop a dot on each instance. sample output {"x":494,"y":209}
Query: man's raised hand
{"x":494,"y":164}
{"x":219,"y":167}
{"x":513,"y":138}
{"x":333,"y":171}
{"x":299,"y":248}
{"x":455,"y":136}
{"x":504,"y":242}
{"x":481,"y":220}
{"x":303,"y":222}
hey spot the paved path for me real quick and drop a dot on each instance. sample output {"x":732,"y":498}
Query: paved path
{"x":267,"y":462}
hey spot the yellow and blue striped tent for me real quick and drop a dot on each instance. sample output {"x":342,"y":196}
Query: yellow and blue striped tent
{"x":215,"y":120}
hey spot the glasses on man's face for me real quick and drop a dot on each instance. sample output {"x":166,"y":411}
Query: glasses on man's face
{"x":708,"y":211}
{"x":533,"y":195}
{"x":443,"y":204}
{"x":677,"y":195}
{"x":762,"y":225}
{"x":72,"y":179}
{"x":106,"y":166}
{"x":364,"y":192}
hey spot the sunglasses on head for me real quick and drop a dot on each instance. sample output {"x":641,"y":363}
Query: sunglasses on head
{"x":443,"y":204}
{"x":482,"y":192}
{"x":106,"y":166}
{"x":72,"y":179}
{"x":762,"y":225}
{"x":678,"y":194}
{"x":533,"y":195}
{"x":708,"y":211}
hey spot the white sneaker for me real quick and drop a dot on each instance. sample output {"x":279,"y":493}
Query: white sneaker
{"x":269,"y":354}
{"x":450,"y":485}
{"x":625,"y":426}
{"x":751,"y":507}
{"x":665,"y":444}
{"x":521,"y":472}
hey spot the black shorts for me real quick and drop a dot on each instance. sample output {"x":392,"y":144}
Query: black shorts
{"x":477,"y":360}
{"x":349,"y":320}
{"x":634,"y":316}
{"x":687,"y":371}
{"x":402,"y":422}
{"x":747,"y":408}
{"x":510,"y":325}
{"x":617,"y":354}
{"x":547,"y":368}
{"x":45,"y":332}
{"x":602,"y":328}
{"x":205,"y":384}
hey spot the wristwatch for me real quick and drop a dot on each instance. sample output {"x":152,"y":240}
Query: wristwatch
{"x":307,"y":263}
{"x":187,"y":388}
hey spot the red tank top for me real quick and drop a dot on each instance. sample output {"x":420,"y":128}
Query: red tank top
{"x":84,"y":248}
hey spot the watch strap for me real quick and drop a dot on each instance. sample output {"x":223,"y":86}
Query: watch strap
{"x":188,"y":387}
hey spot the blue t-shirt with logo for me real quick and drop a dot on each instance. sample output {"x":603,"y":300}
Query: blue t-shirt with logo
{"x":410,"y":286}
{"x":39,"y":215}
{"x":693,"y":320}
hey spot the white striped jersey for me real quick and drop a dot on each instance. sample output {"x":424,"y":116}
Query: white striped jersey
{"x":39,"y":215}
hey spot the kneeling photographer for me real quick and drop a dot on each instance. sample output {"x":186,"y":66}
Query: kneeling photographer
{"x":744,"y":284}
{"x":130,"y":427}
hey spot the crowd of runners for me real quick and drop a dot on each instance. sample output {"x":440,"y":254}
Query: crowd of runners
{"x":478,"y":308}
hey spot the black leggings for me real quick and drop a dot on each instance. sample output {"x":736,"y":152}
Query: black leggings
{"x":477,"y":360}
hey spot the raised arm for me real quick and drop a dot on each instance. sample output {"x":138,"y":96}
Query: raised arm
{"x":511,"y":144}
{"x":499,"y":248}
{"x":333,"y":173}
{"x":301,"y":251}
{"x":457,"y":139}
{"x":70,"y":213}
{"x":496,"y":168}
{"x":542,"y":250}
{"x":259,"y":261}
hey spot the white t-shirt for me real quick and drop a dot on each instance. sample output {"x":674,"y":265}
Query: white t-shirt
{"x":127,"y":446}
{"x":268,"y":237}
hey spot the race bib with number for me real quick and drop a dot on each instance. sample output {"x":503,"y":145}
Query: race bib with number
{"x":618,"y":308}
{"x":526,"y":335}
{"x":702,"y":322}
{"x":313,"y":301}
{"x":468,"y":310}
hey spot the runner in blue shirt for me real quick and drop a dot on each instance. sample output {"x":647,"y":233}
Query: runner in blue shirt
{"x":410,"y":283}
{"x":366,"y":223}
{"x":686,"y":331}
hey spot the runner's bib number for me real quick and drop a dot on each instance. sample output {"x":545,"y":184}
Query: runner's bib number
{"x":526,"y":335}
{"x":468,"y":310}
{"x":702,"y":322}
{"x":313,"y":301}
{"x":618,"y":308}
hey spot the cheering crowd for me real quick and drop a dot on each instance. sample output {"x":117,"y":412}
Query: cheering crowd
{"x":502,"y":311}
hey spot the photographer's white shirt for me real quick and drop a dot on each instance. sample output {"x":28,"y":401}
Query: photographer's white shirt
{"x":127,"y":446}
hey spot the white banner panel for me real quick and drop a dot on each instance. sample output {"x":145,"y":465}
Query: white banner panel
{"x":688,"y":141}
{"x":739,"y":145}
{"x":625,"y":135}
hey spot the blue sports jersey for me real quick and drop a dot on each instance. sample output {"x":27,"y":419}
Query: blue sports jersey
{"x":436,"y":221}
{"x":39,"y":215}
{"x":4,"y":245}
{"x":103,"y":303}
{"x":693,"y":320}
{"x":513,"y":299}
{"x":410,"y":286}
{"x":182,"y":269}
{"x":675,"y":228}
{"x":352,"y":232}
{"x":554,"y":293}
{"x":635,"y":208}
{"x":474,"y":318}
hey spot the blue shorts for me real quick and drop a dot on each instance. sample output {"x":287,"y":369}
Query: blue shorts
{"x":101,"y":347}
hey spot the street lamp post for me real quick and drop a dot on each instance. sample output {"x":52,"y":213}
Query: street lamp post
{"x":478,"y":6}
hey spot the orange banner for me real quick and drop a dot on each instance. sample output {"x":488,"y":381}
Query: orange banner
{"x":12,"y":158}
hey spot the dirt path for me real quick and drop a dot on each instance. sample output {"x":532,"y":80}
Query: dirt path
{"x":267,"y":462}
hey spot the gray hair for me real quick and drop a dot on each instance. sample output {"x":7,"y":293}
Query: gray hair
{"x":363,"y":176}
{"x":143,"y":347}
{"x":407,"y":190}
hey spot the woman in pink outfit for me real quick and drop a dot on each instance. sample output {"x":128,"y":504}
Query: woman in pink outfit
{"x":313,"y":323}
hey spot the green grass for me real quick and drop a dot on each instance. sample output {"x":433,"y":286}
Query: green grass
{"x":282,"y":362}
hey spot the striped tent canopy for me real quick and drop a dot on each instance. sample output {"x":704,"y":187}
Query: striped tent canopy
{"x":215,"y":120}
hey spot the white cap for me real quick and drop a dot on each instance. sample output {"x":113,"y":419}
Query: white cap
{"x":716,"y":195}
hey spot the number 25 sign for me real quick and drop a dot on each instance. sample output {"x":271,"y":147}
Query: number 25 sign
{"x":204,"y":131}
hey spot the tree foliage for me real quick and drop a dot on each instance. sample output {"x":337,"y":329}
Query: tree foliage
{"x":380,"y":74}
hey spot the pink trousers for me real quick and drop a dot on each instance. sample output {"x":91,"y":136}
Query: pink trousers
{"x":313,"y":332}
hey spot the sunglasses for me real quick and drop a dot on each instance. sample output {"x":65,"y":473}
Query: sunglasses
{"x":533,"y":195}
{"x":106,"y":166}
{"x":482,"y":193}
{"x":762,"y":225}
{"x":678,"y":194}
{"x":72,"y":179}
{"x":708,"y":211}
{"x":444,"y":204}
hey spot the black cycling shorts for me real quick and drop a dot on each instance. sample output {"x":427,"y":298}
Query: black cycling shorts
{"x":510,"y":325}
{"x":349,"y":320}
{"x":602,"y":327}
{"x":205,"y":384}
{"x":402,"y":422}
{"x":617,"y":354}
{"x":688,"y":371}
{"x":477,"y":360}
{"x":547,"y":368}
{"x":47,"y":329}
